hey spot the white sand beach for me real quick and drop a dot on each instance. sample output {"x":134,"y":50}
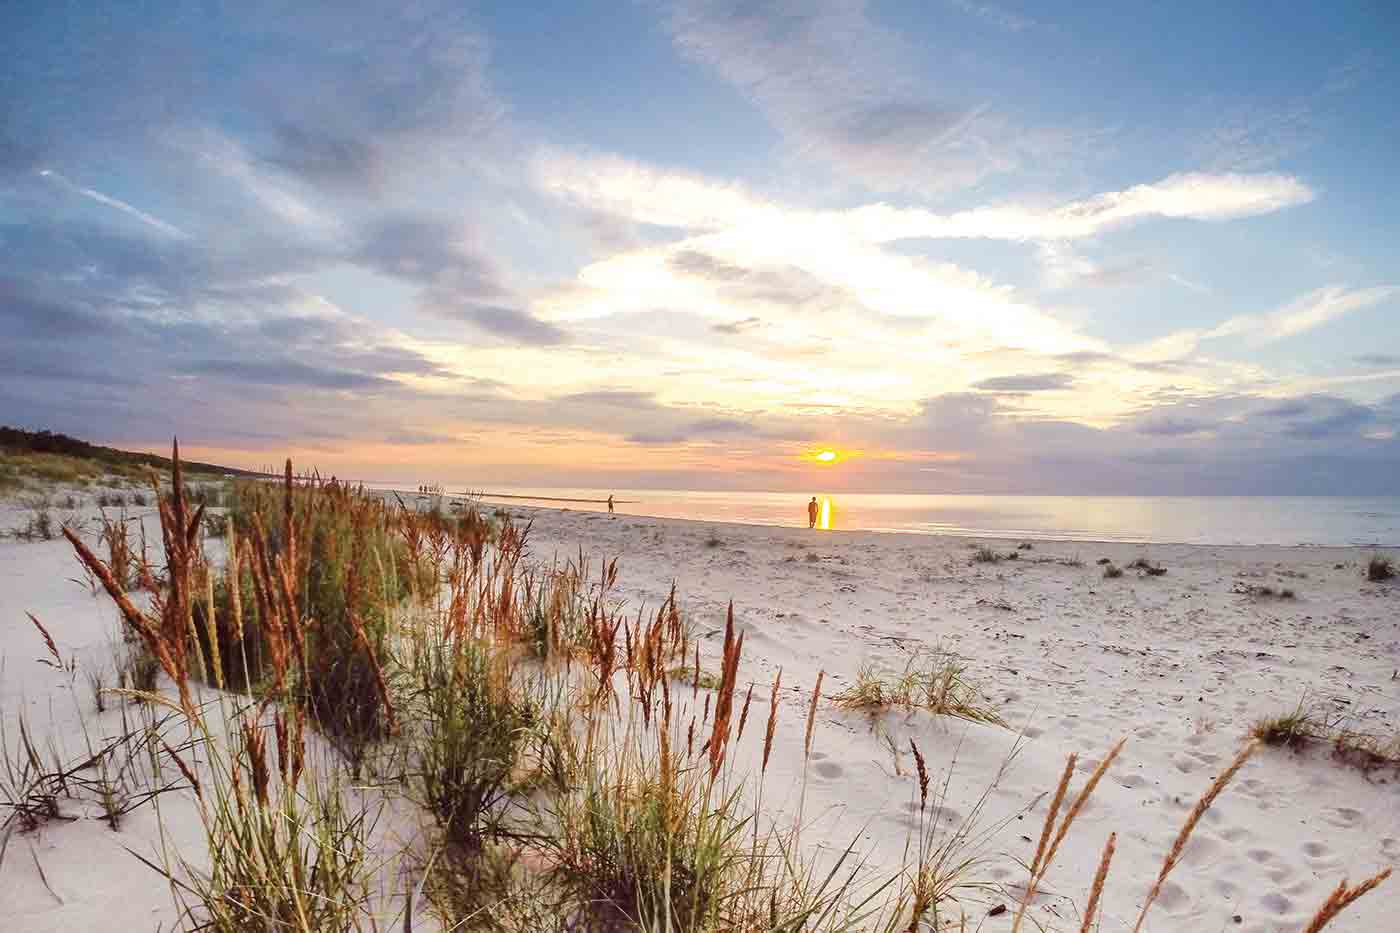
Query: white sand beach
{"x":1179,"y":664}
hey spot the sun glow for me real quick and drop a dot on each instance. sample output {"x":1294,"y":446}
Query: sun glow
{"x":827,"y":456}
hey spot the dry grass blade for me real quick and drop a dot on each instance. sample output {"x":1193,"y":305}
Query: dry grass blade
{"x":1100,"y":876}
{"x":923,"y":774}
{"x":184,"y":769}
{"x":48,"y":639}
{"x":1045,"y":855}
{"x":1192,"y":819}
{"x":378,"y":670}
{"x":724,"y":707}
{"x":744,"y":714}
{"x":1079,"y":801}
{"x":1054,"y":810}
{"x":812,"y":714}
{"x":772,"y":719}
{"x":1342,"y":898}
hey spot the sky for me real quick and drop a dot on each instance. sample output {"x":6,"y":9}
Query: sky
{"x":1100,"y":248}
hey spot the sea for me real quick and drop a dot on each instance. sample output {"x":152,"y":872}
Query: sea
{"x":1222,"y":520}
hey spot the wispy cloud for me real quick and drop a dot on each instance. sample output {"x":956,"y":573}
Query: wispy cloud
{"x":997,"y":16}
{"x":229,"y":158}
{"x":1036,"y":382}
{"x":678,"y":199}
{"x":1303,"y":313}
{"x":148,"y":219}
{"x":1188,"y":196}
{"x":842,"y":90}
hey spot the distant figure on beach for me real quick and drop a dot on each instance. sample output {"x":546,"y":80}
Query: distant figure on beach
{"x":610,"y":505}
{"x":812,"y":513}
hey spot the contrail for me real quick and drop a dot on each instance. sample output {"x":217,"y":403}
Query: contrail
{"x":100,"y":198}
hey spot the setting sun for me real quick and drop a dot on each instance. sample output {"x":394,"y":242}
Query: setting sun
{"x":827,"y":456}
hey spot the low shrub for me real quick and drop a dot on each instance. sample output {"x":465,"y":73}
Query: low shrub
{"x":934,"y":680}
{"x":1379,"y":568}
{"x":475,"y":726}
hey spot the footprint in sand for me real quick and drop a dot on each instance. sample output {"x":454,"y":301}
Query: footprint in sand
{"x":1319,"y":857}
{"x":1203,"y":849}
{"x":1345,"y":817}
{"x":1390,"y":848}
{"x":828,"y":769}
{"x":1173,"y":899}
{"x":1183,"y":764}
{"x":1276,"y":903}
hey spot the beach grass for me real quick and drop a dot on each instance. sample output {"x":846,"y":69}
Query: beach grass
{"x":574,"y":773}
{"x":934,"y":680}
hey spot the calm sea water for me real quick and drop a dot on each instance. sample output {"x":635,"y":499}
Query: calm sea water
{"x":1301,"y":520}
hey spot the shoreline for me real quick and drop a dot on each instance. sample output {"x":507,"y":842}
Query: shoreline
{"x":950,"y":536}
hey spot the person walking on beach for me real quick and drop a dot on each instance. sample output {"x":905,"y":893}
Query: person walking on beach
{"x":812,"y":513}
{"x":610,"y":504}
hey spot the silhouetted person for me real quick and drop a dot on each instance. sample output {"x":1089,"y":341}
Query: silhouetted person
{"x":812,"y":513}
{"x":610,"y":505}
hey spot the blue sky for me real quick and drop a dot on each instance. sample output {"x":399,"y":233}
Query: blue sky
{"x":1002,"y":247}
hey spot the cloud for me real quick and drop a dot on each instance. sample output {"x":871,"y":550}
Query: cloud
{"x":784,"y":285}
{"x":409,"y":437}
{"x":1174,"y":426}
{"x":27,"y":316}
{"x":431,"y":251}
{"x":1249,"y":134}
{"x":614,"y":186}
{"x":1039,"y":382}
{"x":704,"y":429}
{"x":285,"y":372}
{"x":511,"y":324}
{"x":997,"y":16}
{"x":1228,"y":444}
{"x":683,"y":200}
{"x":621,"y":398}
{"x":278,"y":195}
{"x":1322,"y":417}
{"x":737,"y":327}
{"x":844,"y":91}
{"x":1378,"y":359}
{"x":1303,"y":313}
{"x":1188,"y":196}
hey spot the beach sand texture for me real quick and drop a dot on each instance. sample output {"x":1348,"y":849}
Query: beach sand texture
{"x":1180,"y":664}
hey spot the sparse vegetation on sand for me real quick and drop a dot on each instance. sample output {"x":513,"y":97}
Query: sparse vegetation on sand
{"x":1311,"y":725}
{"x":351,"y":654}
{"x":1146,"y":567}
{"x":39,"y":524}
{"x":1379,"y":567}
{"x":935,"y":681}
{"x":1264,"y":591}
